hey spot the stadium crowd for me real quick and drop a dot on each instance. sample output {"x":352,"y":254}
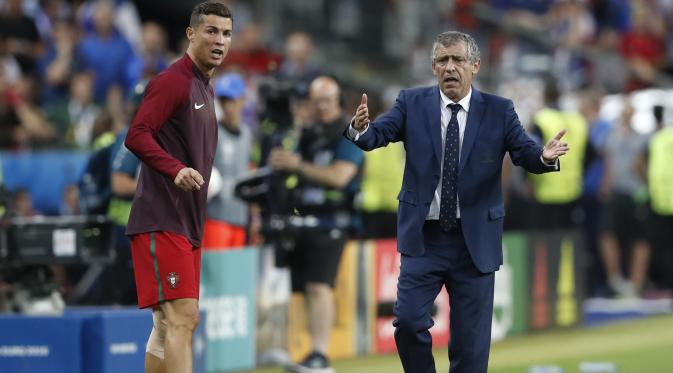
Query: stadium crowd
{"x":71,"y":73}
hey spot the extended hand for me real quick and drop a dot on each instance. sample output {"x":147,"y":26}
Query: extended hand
{"x":189,"y":180}
{"x":281,"y":159}
{"x":555,"y":148}
{"x":361,"y":115}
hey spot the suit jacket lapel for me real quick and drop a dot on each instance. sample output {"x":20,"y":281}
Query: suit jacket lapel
{"x":434,"y":122}
{"x":472,"y":127}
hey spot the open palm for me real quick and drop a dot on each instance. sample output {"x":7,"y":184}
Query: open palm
{"x":555,"y":148}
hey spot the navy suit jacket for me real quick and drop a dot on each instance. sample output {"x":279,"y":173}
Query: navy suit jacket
{"x":492,"y":129}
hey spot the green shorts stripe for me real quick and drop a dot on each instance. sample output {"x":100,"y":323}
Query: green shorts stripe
{"x":153,"y":251}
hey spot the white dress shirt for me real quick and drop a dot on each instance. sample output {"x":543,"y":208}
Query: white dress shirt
{"x":445,"y":114}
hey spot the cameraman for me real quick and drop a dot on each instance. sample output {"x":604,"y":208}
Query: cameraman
{"x":329,"y":173}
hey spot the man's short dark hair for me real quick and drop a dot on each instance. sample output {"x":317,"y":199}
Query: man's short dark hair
{"x":206,"y":8}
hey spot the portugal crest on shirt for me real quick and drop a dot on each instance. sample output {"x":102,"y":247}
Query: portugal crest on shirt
{"x":173,"y":279}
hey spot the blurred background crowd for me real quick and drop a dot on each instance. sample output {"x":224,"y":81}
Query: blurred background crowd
{"x":72,"y":72}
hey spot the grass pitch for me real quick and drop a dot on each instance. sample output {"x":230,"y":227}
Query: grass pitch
{"x":640,"y":346}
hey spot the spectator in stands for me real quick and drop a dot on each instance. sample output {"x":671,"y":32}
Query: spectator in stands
{"x":152,"y":57}
{"x":249,"y":53}
{"x":9,"y":64}
{"x":227,"y":215}
{"x":104,"y":52}
{"x":124,"y":15}
{"x":612,"y":72}
{"x":571,"y":26}
{"x":41,"y":132}
{"x":328,"y":169}
{"x":74,"y":118}
{"x":557,"y":195}
{"x":297,"y":65}
{"x":624,"y":222}
{"x":105,"y":133}
{"x":70,"y":202}
{"x":643,"y":46}
{"x":23,"y":39}
{"x":46,"y":14}
{"x":22,"y":204}
{"x":666,"y":12}
{"x":56,"y":66}
{"x":22,"y":124}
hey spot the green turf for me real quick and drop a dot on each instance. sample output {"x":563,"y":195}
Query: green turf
{"x":642,"y":346}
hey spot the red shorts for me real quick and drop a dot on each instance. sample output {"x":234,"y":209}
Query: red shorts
{"x":166,"y":267}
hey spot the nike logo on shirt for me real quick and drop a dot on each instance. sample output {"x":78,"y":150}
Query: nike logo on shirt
{"x":197,"y":107}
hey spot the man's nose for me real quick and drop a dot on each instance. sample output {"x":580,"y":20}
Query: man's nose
{"x":450,"y":66}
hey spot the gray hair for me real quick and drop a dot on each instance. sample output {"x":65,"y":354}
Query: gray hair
{"x":449,"y":38}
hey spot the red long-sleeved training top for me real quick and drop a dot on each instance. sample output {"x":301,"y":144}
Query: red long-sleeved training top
{"x":175,"y":127}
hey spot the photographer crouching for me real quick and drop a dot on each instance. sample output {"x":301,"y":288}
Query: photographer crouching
{"x":328,"y":167}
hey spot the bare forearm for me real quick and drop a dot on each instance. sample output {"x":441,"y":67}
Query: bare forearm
{"x":333,"y":176}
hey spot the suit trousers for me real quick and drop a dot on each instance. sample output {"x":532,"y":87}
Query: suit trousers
{"x":446,"y":262}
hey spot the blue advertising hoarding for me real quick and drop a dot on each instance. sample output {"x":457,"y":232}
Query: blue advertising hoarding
{"x":40,"y":344}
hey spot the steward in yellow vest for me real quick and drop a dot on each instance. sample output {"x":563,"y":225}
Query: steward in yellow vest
{"x":556,"y":194}
{"x":660,"y":172}
{"x":381,"y":182}
{"x":565,"y":186}
{"x":660,"y":184}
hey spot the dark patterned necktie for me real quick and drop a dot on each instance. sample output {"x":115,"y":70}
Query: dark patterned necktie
{"x":447,"y":210}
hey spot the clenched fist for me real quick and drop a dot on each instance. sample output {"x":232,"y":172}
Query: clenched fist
{"x":189,"y":180}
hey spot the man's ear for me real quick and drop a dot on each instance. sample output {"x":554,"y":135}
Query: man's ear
{"x":190,"y":33}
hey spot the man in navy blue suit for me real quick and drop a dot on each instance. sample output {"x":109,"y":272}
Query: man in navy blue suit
{"x":451,"y":210}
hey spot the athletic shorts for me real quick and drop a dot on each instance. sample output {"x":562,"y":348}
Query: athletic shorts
{"x":628,"y":220}
{"x":166,"y":267}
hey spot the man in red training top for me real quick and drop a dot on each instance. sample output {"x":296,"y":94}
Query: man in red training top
{"x":174,"y":134}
